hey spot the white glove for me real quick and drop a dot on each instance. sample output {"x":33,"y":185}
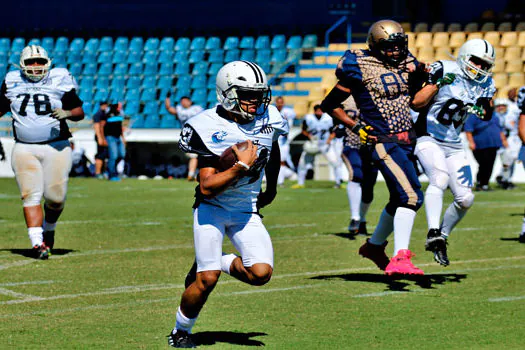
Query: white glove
{"x":60,"y":114}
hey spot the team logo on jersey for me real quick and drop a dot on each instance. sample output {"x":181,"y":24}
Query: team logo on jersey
{"x":267,"y":129}
{"x":465,"y":176}
{"x":185,"y":135}
{"x":218,"y":136}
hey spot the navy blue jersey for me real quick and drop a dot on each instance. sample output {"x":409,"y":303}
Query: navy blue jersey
{"x":382,"y":92}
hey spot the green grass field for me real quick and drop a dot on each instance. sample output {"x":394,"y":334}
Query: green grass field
{"x":123,"y":249}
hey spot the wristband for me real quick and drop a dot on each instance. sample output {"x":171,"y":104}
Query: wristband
{"x":244,"y":165}
{"x":355,"y":129}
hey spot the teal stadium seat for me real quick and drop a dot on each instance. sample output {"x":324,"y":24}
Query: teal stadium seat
{"x":198,"y":43}
{"x":199,"y":96}
{"x":294,"y":42}
{"x":279,"y":55}
{"x":119,"y":56}
{"x":92,"y":45}
{"x":248,"y":55}
{"x":5,"y":44}
{"x":198,"y":82}
{"x":152,"y":44}
{"x":150,"y":68}
{"x":167,"y":44}
{"x":106,"y":44}
{"x":118,"y":82}
{"x":294,"y":55}
{"x":213,"y":43}
{"x":265,"y":66}
{"x":75,"y":69}
{"x":151,"y":108}
{"x":149,"y":81}
{"x":150,"y":57}
{"x":214,"y":68}
{"x":182,"y":68}
{"x":116,"y":94}
{"x":102,"y":82}
{"x":231,"y":43}
{"x":86,"y":94}
{"x":132,"y":107}
{"x":132,"y":95}
{"x":263,"y":56}
{"x":247,"y":42}
{"x":212,"y":95}
{"x":200,"y":68}
{"x":3,"y":57}
{"x":166,"y":69}
{"x":74,"y":57}
{"x":105,"y":69}
{"x":278,"y":42}
{"x":14,"y":57}
{"x":105,"y":57}
{"x":182,"y":44}
{"x":166,"y":57}
{"x":101,"y":95}
{"x":87,"y":82}
{"x":232,"y":55}
{"x":181,"y":56}
{"x":89,"y":57}
{"x":211,"y":82}
{"x":133,"y":82}
{"x":168,"y":122}
{"x":262,"y":42}
{"x":121,"y":69}
{"x":216,"y":56}
{"x":165,"y":82}
{"x":137,"y":122}
{"x":136,"y":44}
{"x":87,"y":106}
{"x":34,"y":41}
{"x":18,"y":45}
{"x":121,"y":44}
{"x":59,"y":58}
{"x":149,"y":94}
{"x":135,"y":68}
{"x":61,"y":44}
{"x":152,"y":122}
{"x":134,"y":56}
{"x":196,"y":56}
{"x":48,"y":44}
{"x":309,"y":41}
{"x":77,"y":45}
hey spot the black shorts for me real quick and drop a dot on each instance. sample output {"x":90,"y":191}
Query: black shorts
{"x":102,"y":152}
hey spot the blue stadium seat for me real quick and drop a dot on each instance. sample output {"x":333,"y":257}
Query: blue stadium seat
{"x":182,"y":68}
{"x":232,"y":55}
{"x":136,"y":44}
{"x":180,"y":93}
{"x":309,"y":41}
{"x":168,"y":122}
{"x":151,"y":108}
{"x":86,"y":94}
{"x":77,"y":45}
{"x":262,"y":42}
{"x":89,"y":57}
{"x":5,"y":44}
{"x":3,"y":70}
{"x":182,"y":44}
{"x":119,"y":56}
{"x":213,"y":43}
{"x":105,"y":57}
{"x":152,"y":44}
{"x":92,"y":45}
{"x":18,"y":45}
{"x":134,"y":56}
{"x":231,"y":43}
{"x":163,"y":93}
{"x":181,"y":56}
{"x":106,"y":44}
{"x":150,"y":57}
{"x":166,"y":57}
{"x":120,"y":69}
{"x":75,"y":69}
{"x":133,"y":82}
{"x":214,"y":68}
{"x":165,"y":82}
{"x":278,"y":42}
{"x":88,"y":109}
{"x":294,"y":55}
{"x":263,"y":56}
{"x":74,"y":57}
{"x":4,"y":58}
{"x":137,"y":122}
{"x":294,"y":42}
{"x":132,"y":107}
{"x":105,"y":69}
{"x":198,"y":43}
{"x":167,"y":44}
{"x":101,"y":95}
{"x":216,"y":56}
{"x":48,"y":44}
{"x":248,"y":55}
{"x":211,"y":82}
{"x":62,"y":44}
{"x":199,"y":96}
{"x":265,"y":66}
{"x":59,"y":58}
{"x":183,"y":82}
{"x":34,"y":41}
{"x":196,"y":56}
{"x":150,"y":68}
{"x":247,"y":42}
{"x":166,"y":69}
{"x":116,"y":94}
{"x":121,"y":44}
{"x":148,"y":95}
{"x":87,"y":82}
{"x":198,"y":82}
{"x":212,"y":95}
{"x":135,"y":69}
{"x":102,"y":82}
{"x":200,"y":68}
{"x":132,"y":95}
{"x":279,"y":55}
{"x":149,"y":81}
{"x":152,"y":122}
{"x":118,"y":82}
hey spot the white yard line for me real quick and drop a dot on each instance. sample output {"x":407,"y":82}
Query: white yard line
{"x":25,"y":283}
{"x":496,"y":300}
{"x":23,"y":296}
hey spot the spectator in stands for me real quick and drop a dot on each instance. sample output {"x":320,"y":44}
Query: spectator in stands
{"x":113,"y":134}
{"x":484,"y":138}
{"x":184,"y":110}
{"x":102,"y":146}
{"x":80,"y":165}
{"x":286,"y":170}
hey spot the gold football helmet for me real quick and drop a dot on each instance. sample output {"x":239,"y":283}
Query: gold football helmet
{"x":387,"y":40}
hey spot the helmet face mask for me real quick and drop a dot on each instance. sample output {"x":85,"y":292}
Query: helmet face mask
{"x":34,"y":62}
{"x":387,"y":40}
{"x":476,"y":59}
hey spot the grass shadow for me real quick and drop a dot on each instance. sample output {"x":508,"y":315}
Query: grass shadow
{"x":397,"y":283}
{"x":28,"y":253}
{"x":509,"y":239}
{"x":236,"y":338}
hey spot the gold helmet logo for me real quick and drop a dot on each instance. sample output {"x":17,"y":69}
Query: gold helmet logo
{"x":387,"y":39}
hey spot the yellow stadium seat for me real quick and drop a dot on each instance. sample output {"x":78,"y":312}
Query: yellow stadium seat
{"x":411,"y":39}
{"x":512,"y":53}
{"x":492,"y":37}
{"x":423,"y":39}
{"x":407,"y":26}
{"x":457,"y":39}
{"x":426,"y":54}
{"x":499,"y":66}
{"x":505,"y":27}
{"x":509,"y":39}
{"x":500,"y":79}
{"x":440,"y":39}
{"x":521,"y":39}
{"x":520,"y":27}
{"x":438,"y":27}
{"x":516,"y":79}
{"x":500,"y":52}
{"x":488,"y":27}
{"x":443,"y":54}
{"x":421,"y":27}
{"x":515,"y":66}
{"x":454,"y":27}
{"x":475,"y":35}
{"x":301,"y":108}
{"x":471,"y":27}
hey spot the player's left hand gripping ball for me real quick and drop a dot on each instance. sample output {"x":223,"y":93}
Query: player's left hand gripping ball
{"x":364,"y":134}
{"x":60,"y":114}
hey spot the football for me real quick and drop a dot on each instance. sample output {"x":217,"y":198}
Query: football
{"x":228,"y":158}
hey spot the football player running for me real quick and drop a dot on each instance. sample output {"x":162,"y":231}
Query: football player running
{"x":455,"y":90}
{"x":227,"y":202}
{"x":41,"y":100}
{"x":378,"y":78}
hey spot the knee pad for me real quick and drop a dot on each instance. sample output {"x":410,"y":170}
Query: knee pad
{"x":465,"y":201}
{"x":32,"y":199}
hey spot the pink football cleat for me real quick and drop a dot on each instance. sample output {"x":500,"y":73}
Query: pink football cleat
{"x":401,"y":264}
{"x":376,"y":253}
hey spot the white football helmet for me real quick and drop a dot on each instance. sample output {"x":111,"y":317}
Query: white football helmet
{"x":31,"y":54}
{"x":243,"y":81}
{"x":474,"y":53}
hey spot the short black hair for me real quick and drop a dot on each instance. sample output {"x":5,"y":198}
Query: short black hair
{"x":316,"y":107}
{"x":103,"y":103}
{"x":183,"y":97}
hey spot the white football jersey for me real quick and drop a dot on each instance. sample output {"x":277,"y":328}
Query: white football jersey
{"x":208,"y":134}
{"x":445,"y":116}
{"x":183,"y":114}
{"x":31,"y":104}
{"x":288,"y":114}
{"x":319,"y":128}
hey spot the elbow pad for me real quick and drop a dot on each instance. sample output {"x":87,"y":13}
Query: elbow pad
{"x":333,"y":100}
